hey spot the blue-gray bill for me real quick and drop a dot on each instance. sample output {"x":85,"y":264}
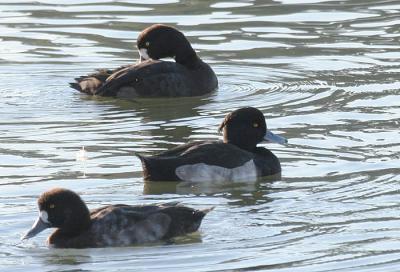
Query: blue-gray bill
{"x":141,"y":59}
{"x":37,"y":227}
{"x":143,"y":55}
{"x":273,"y":138}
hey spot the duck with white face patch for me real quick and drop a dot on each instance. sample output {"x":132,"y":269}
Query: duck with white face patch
{"x":237,"y":158}
{"x":112,"y":225}
{"x":152,"y":77}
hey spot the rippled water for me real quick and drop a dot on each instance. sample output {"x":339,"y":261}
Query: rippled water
{"x":325,"y":74}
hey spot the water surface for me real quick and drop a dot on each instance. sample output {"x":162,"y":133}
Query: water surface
{"x":324,"y":73}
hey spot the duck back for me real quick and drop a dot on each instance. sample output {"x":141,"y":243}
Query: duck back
{"x":163,"y":166}
{"x":123,"y":225}
{"x":152,"y":78}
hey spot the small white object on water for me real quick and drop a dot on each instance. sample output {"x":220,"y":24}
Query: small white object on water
{"x":81,"y":155}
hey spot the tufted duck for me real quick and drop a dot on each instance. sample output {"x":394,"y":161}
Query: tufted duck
{"x":187,"y":76}
{"x":112,"y":225}
{"x":237,"y":158}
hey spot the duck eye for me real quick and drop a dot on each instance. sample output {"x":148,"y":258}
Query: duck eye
{"x":147,"y":44}
{"x":255,"y":125}
{"x":52,"y":206}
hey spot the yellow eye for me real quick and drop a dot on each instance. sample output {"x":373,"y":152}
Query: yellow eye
{"x":147,"y":44}
{"x":52,"y":206}
{"x":256,"y":125}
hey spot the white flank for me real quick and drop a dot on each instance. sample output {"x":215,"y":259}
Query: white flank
{"x":203,"y":172}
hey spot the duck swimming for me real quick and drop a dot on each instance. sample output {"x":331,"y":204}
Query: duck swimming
{"x":237,"y":158}
{"x":187,"y":76}
{"x":112,"y":225}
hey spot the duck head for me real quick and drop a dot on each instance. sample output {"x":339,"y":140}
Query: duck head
{"x":246,"y":128}
{"x":162,"y":41}
{"x":62,"y":209}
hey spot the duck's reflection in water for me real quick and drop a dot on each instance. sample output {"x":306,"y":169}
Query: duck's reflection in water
{"x":240,"y":193}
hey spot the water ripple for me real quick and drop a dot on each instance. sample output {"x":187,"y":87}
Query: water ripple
{"x":324,"y":73}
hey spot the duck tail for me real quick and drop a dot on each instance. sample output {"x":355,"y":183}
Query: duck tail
{"x":157,"y":169}
{"x":197,"y":218}
{"x":141,"y":157}
{"x":207,"y":210}
{"x":88,"y":84}
{"x":75,"y":86}
{"x":203,"y":212}
{"x":145,"y":165}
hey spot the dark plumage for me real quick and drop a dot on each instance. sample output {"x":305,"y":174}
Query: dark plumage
{"x":112,"y":225}
{"x":236,"y":158}
{"x":188,"y":76}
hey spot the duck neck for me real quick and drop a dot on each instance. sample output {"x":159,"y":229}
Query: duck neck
{"x":186,"y":55}
{"x":250,"y":147}
{"x":73,"y":227}
{"x":76,"y":221}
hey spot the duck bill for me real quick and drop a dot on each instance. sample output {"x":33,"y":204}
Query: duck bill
{"x":141,"y":59}
{"x":143,"y":55}
{"x":273,"y":138}
{"x":37,"y":227}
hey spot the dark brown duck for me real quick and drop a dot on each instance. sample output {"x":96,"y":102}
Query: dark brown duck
{"x":187,"y":76}
{"x":112,"y":225}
